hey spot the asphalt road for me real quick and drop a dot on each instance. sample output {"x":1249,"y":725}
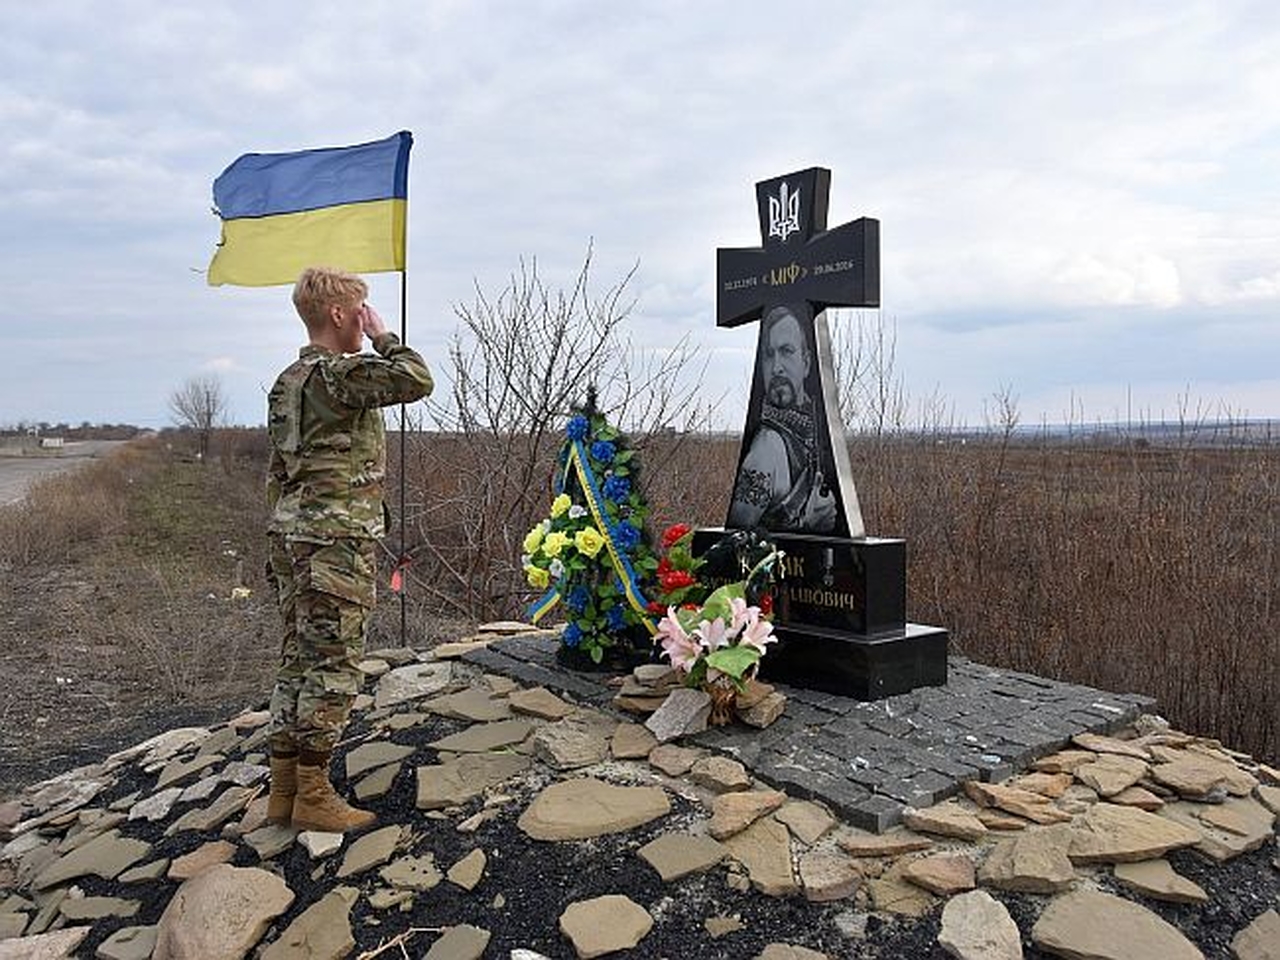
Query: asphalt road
{"x":17,"y":473}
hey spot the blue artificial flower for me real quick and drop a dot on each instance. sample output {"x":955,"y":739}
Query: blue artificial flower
{"x":625,"y":535}
{"x":578,"y":599}
{"x":616,"y":617}
{"x":577,"y":428}
{"x":572,"y":635}
{"x":617,"y":489}
{"x":603,"y":450}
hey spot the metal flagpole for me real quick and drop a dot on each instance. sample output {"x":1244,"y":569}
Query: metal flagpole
{"x":404,"y":415}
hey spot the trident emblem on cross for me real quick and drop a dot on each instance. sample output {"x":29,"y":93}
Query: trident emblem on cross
{"x":784,"y":212}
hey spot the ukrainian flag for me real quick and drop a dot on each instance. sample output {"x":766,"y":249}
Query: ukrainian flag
{"x":342,"y":207}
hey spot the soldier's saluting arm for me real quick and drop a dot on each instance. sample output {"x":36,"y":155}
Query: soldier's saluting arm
{"x":398,"y":374}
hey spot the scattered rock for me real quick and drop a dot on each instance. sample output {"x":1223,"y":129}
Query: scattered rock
{"x":945,"y":819}
{"x":1024,"y":803}
{"x":473,"y":704}
{"x":632,"y":741}
{"x":539,"y":702}
{"x":371,"y":850}
{"x":483,"y":737}
{"x":807,"y":821}
{"x":672,"y":760}
{"x":676,"y":855}
{"x":976,"y":926}
{"x":720,"y":774}
{"x":1100,"y":744}
{"x":220,"y":913}
{"x":156,"y":806}
{"x":1111,"y":773}
{"x":1065,"y":761}
{"x":718,"y":927}
{"x":1051,"y":785}
{"x":1088,"y":924}
{"x":128,"y":943}
{"x":413,"y":682}
{"x":412,"y":873}
{"x":826,"y":875}
{"x":201,"y":858}
{"x":893,"y":843}
{"x":1196,"y":777}
{"x":43,"y":946}
{"x":1032,"y":862}
{"x":468,"y":871}
{"x":1108,"y":833}
{"x":457,"y":781}
{"x":570,"y":743}
{"x":319,"y":844}
{"x":944,"y":874}
{"x":379,"y":753}
{"x":604,"y":925}
{"x":789,"y":951}
{"x":764,"y":848}
{"x":271,"y":840}
{"x":1156,"y":878}
{"x":321,"y":932}
{"x":586,"y":807}
{"x":1238,"y":825}
{"x":106,"y":856}
{"x":462,"y":942}
{"x":1139,"y":797}
{"x":377,"y":783}
{"x":96,"y":908}
{"x":765,"y":712}
{"x":734,"y":812}
{"x":683,"y":712}
{"x":1260,"y":940}
{"x":892,"y":893}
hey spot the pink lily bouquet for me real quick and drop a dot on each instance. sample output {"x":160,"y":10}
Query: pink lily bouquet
{"x":721,"y":640}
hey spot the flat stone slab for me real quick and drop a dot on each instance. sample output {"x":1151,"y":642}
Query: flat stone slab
{"x":371,"y":850}
{"x":976,"y":926}
{"x":1109,"y":833}
{"x":632,"y":741}
{"x":1156,"y":878}
{"x":320,"y":932}
{"x":1088,"y":924}
{"x":472,"y":704}
{"x":221,"y":912}
{"x":370,"y":756}
{"x":764,"y":848}
{"x":461,"y":942}
{"x":484,"y":737}
{"x":412,"y":682}
{"x":106,"y":856}
{"x":734,"y":812}
{"x":676,"y":855}
{"x":807,"y":821}
{"x":539,"y":702}
{"x":1032,"y":862}
{"x":128,"y":943}
{"x":586,"y":807}
{"x":44,"y":946}
{"x":604,"y":925}
{"x":457,"y":781}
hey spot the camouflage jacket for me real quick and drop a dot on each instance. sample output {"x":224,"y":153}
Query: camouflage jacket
{"x":328,"y":443}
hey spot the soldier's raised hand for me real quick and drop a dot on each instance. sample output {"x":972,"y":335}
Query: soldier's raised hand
{"x":370,"y":322}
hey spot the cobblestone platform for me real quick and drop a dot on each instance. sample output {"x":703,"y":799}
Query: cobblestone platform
{"x":867,"y":761}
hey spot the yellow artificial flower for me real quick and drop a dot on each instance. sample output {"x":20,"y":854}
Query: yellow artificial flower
{"x":556,"y":541}
{"x":533,"y":539}
{"x":588,"y":541}
{"x":560,"y":504}
{"x":537,"y":577}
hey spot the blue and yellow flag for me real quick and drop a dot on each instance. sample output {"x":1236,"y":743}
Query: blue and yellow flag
{"x":342,"y":207}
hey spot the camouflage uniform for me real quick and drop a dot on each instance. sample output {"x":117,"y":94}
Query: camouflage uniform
{"x":324,"y":490}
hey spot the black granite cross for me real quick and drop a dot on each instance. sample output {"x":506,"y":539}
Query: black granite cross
{"x":801,"y":259}
{"x":802,"y":268}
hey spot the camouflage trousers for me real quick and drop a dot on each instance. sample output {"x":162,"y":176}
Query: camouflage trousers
{"x":325,"y":593}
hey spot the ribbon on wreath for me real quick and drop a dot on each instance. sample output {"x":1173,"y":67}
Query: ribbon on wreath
{"x":624,"y":573}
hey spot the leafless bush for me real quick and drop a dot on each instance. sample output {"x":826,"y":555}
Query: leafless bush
{"x":199,"y":405}
{"x":517,"y":366}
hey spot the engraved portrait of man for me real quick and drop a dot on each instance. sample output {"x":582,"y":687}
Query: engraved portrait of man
{"x":783,"y":481}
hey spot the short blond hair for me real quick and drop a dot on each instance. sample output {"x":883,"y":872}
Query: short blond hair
{"x":319,"y":288}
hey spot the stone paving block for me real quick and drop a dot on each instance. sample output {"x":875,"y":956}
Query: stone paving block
{"x":876,"y":813}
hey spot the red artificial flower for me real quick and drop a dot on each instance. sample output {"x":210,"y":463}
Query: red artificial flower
{"x":673,"y":534}
{"x":664,"y":567}
{"x":676,"y":579}
{"x":655,"y":606}
{"x":766,"y":604}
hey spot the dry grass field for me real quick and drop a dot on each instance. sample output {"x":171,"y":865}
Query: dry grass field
{"x":1152,"y":569}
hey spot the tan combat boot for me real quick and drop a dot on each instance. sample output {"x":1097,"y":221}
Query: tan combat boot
{"x":284,"y":784}
{"x":317,"y":806}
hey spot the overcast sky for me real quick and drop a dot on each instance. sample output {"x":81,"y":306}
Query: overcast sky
{"x":1078,"y":201}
